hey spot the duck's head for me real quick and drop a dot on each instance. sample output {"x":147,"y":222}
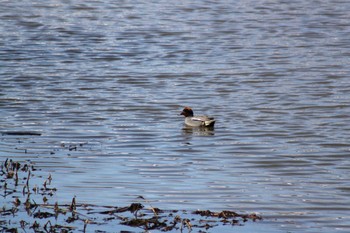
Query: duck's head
{"x":187,"y":112}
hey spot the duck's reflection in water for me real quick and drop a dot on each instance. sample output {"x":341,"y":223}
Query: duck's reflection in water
{"x":200,"y":131}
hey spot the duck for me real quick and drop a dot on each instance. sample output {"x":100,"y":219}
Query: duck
{"x":196,"y":121}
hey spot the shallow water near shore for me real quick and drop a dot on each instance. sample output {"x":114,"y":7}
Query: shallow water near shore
{"x":103,"y":83}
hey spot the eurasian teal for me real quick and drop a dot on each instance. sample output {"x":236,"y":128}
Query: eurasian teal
{"x":196,"y":121}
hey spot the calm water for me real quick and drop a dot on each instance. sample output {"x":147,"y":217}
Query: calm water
{"x":111,"y":77}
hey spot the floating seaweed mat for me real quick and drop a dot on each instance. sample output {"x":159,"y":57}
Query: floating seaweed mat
{"x":24,"y":212}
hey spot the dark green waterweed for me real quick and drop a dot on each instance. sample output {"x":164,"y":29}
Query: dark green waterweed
{"x":31,"y":208}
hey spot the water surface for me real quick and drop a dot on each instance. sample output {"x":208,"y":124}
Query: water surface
{"x":104,"y":83}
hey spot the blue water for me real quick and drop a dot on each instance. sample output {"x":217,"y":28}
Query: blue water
{"x":111,"y":78}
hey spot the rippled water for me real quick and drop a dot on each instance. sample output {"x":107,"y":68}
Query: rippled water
{"x":104,"y":83}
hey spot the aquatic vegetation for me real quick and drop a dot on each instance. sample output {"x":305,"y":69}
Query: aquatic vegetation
{"x":28,"y":205}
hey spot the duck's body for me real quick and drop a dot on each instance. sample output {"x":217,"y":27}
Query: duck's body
{"x":196,"y":121}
